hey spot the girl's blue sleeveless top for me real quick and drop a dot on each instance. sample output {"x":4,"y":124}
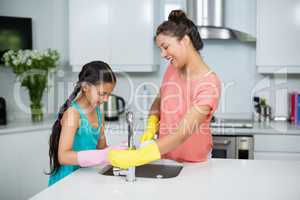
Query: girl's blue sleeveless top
{"x":86,"y":138}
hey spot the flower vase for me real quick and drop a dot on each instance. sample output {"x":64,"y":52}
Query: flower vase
{"x":32,"y":68}
{"x":36,"y":84}
{"x":36,"y":112}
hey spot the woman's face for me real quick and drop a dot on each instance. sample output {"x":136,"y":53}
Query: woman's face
{"x":172,"y":49}
{"x":98,"y":94}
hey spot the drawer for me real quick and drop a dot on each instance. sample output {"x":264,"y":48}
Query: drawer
{"x":276,"y":156}
{"x":277,"y":143}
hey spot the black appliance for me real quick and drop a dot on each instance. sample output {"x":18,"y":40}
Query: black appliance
{"x":233,"y":146}
{"x":15,"y":34}
{"x":2,"y":112}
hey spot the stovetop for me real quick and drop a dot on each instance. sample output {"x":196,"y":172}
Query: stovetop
{"x":232,"y":123}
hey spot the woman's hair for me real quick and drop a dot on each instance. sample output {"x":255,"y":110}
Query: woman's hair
{"x":92,"y":73}
{"x":178,"y":25}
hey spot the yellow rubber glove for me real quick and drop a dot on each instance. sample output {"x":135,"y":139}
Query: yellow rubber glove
{"x":131,"y":158}
{"x":152,"y":128}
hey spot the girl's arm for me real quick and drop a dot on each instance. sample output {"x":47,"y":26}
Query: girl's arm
{"x":69,"y":125}
{"x":66,"y":156}
{"x":102,"y":139}
{"x":191,"y":121}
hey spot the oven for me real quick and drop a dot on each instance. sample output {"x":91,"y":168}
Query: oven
{"x":233,"y":146}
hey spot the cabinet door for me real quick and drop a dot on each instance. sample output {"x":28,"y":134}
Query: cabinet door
{"x":132,"y":33}
{"x":277,"y":143}
{"x":276,"y":156}
{"x":277,"y":147}
{"x":9,"y":178}
{"x":33,"y":162}
{"x":246,"y":12}
{"x":89,"y":31}
{"x":278,"y":41}
{"x":24,"y":158}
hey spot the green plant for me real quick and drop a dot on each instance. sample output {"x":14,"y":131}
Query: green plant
{"x":32,"y":68}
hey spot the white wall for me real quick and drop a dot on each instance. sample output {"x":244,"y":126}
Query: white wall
{"x":233,"y":61}
{"x":50,"y":30}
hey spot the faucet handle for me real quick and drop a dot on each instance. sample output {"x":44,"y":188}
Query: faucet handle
{"x":116,"y":171}
{"x":128,"y":173}
{"x":119,"y":172}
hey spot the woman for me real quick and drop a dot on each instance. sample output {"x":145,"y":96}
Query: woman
{"x":188,"y":98}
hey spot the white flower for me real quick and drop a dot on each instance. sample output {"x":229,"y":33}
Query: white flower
{"x":16,"y":62}
{"x":29,"y":62}
{"x":46,"y":53}
{"x":23,"y":60}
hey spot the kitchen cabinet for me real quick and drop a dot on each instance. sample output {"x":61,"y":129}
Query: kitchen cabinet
{"x":24,"y":159}
{"x":246,"y":12}
{"x":278,"y":41}
{"x":9,"y":167}
{"x":120,"y":33}
{"x":277,"y":147}
{"x":276,"y":156}
{"x":88,"y":31}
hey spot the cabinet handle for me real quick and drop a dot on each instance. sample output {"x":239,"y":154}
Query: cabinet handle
{"x":244,"y":140}
{"x":224,"y":142}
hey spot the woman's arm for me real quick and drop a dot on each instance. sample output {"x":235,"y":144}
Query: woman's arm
{"x":155,"y":107}
{"x":191,"y":121}
{"x":153,"y":151}
{"x":70,"y":123}
{"x":152,"y":121}
{"x":102,"y":139}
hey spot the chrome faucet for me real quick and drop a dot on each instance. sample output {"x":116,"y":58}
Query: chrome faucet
{"x":129,"y":120}
{"x":130,"y":172}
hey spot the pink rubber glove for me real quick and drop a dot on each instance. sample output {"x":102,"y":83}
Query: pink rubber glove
{"x":90,"y":158}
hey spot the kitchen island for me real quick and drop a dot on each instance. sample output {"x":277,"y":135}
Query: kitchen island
{"x":212,"y":180}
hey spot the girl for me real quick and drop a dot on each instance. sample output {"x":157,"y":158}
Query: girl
{"x":79,"y":128}
{"x":188,"y":98}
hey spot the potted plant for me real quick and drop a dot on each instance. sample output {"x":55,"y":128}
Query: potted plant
{"x":32,"y":68}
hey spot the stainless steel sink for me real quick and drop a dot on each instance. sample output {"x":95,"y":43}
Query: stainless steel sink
{"x":158,"y":169}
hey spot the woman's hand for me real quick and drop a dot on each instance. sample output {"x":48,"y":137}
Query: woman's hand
{"x":131,"y":158}
{"x":151,"y":130}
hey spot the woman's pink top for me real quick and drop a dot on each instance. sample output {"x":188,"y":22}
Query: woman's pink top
{"x":178,"y":95}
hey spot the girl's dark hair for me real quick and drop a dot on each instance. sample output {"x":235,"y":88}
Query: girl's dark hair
{"x":178,"y":25}
{"x":93,"y":73}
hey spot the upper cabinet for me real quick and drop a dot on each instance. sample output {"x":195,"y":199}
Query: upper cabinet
{"x":120,"y":33}
{"x":89,"y":31}
{"x":278,"y":36}
{"x":241,"y":15}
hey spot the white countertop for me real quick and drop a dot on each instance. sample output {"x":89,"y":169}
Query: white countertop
{"x":213,"y":180}
{"x":25,"y":125}
{"x":277,"y":128}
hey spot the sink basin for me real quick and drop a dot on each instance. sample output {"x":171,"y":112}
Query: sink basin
{"x":158,"y":169}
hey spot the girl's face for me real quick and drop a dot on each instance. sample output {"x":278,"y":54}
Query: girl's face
{"x":98,"y":94}
{"x":172,"y":49}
